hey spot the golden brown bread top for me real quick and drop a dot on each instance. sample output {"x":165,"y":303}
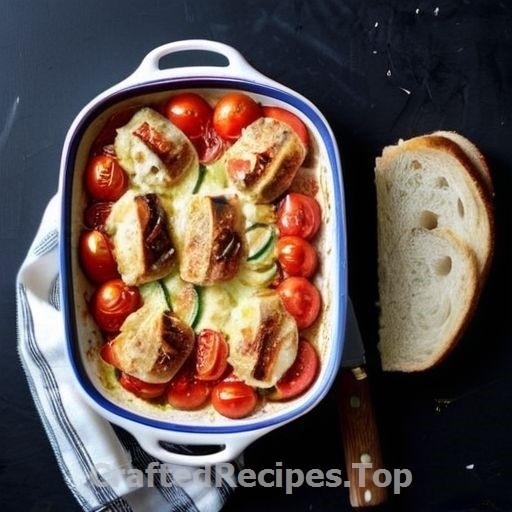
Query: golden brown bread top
{"x":262,"y":163}
{"x":263,"y":339}
{"x":153,"y":344}
{"x":140,"y":233}
{"x":213,"y":244}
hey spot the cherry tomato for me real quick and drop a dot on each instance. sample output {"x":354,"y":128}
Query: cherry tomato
{"x":105,"y":180}
{"x":146,"y":390}
{"x":105,"y":139}
{"x":233,"y":112}
{"x":300,"y":215}
{"x":301,"y":299}
{"x":209,"y":146}
{"x":211,"y":355}
{"x":301,"y":374}
{"x":96,"y":214}
{"x":234,"y":399}
{"x":96,"y":256}
{"x":289,"y":118}
{"x":112,"y":302}
{"x":107,"y":353}
{"x":190,"y":113}
{"x":296,"y":256}
{"x":186,"y":392}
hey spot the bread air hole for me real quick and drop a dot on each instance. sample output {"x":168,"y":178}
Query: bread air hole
{"x":443,"y":266}
{"x":460,"y":208}
{"x":441,"y":182}
{"x":415,"y":165}
{"x":428,"y":219}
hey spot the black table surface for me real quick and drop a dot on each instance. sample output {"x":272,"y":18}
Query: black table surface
{"x":379,"y":71}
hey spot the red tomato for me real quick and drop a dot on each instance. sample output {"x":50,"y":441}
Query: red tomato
{"x":112,"y":302}
{"x":96,"y":214}
{"x":96,"y":257}
{"x":234,"y":399}
{"x":190,"y":113}
{"x":146,"y":390}
{"x":105,"y":139}
{"x":233,"y":112}
{"x":107,"y":354}
{"x":289,"y":118}
{"x":209,"y":146}
{"x":300,"y":215}
{"x":211,"y":355}
{"x":301,"y":299}
{"x":296,"y":256}
{"x":105,"y":180}
{"x":301,"y":374}
{"x":186,"y":392}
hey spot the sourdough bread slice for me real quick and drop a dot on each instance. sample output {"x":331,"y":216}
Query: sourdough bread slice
{"x":430,"y":182}
{"x":435,"y":242}
{"x":428,"y":285}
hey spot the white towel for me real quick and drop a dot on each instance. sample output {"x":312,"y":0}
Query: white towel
{"x":85,"y":445}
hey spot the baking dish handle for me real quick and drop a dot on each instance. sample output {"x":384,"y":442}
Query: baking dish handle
{"x":237,"y":67}
{"x":187,"y":449}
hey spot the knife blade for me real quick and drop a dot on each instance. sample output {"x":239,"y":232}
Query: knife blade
{"x":360,"y":435}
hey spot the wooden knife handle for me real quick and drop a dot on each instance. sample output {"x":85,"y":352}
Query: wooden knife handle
{"x":360,"y":439}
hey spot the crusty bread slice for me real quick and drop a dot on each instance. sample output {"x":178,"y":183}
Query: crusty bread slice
{"x":262,"y":163}
{"x":435,"y":243}
{"x":154,"y":152}
{"x":153,"y":344}
{"x":263,"y":340}
{"x":428,"y":286}
{"x":140,"y":232}
{"x":429,"y":181}
{"x":213,"y":240}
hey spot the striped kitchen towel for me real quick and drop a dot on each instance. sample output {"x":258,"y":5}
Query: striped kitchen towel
{"x":103,"y":465}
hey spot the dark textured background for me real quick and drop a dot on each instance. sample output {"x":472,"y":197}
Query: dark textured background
{"x":378,"y":70}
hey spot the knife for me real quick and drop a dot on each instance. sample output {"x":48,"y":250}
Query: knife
{"x":360,"y":437}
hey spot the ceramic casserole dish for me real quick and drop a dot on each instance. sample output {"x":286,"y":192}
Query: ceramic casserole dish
{"x":198,"y":437}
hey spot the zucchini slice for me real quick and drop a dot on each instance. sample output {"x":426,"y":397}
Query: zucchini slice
{"x":184,"y":298}
{"x":260,"y":240}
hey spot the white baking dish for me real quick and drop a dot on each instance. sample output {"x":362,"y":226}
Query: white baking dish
{"x":172,"y":436}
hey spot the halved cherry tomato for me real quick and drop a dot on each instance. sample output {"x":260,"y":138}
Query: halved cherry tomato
{"x":107,"y":354}
{"x":211,"y":355}
{"x":209,"y":146}
{"x":146,"y":390}
{"x":105,"y":180}
{"x":233,"y":112}
{"x":301,"y":374}
{"x":301,"y":299}
{"x":190,"y":113}
{"x":296,"y":256}
{"x":96,"y":257}
{"x":96,"y":214}
{"x":186,"y":392}
{"x":112,"y":302}
{"x":234,"y":399}
{"x":300,"y":215}
{"x":289,"y":118}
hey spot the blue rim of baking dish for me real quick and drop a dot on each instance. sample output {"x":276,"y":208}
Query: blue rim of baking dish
{"x":338,"y":272}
